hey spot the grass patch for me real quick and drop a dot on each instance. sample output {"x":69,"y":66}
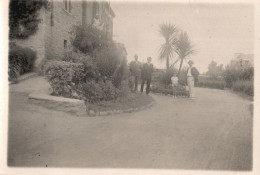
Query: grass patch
{"x":132,"y":100}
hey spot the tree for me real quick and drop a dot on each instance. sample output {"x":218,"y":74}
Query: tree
{"x":183,"y":48}
{"x":215,"y":70}
{"x":24,"y":17}
{"x":166,"y":51}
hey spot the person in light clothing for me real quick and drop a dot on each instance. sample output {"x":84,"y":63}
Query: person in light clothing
{"x":174,"y":80}
{"x":192,"y":74}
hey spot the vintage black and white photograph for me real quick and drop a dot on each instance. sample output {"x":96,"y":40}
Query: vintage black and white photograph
{"x":160,"y":85}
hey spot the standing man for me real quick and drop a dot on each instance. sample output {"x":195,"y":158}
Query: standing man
{"x":192,"y":75}
{"x":135,"y":68}
{"x":147,"y":71}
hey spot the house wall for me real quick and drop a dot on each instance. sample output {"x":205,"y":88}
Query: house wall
{"x":63,"y":22}
{"x":55,"y":27}
{"x":89,"y":17}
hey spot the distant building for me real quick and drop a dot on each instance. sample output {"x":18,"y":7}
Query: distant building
{"x":241,"y":59}
{"x":53,"y":37}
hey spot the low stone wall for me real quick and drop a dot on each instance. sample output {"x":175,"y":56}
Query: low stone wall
{"x":74,"y":106}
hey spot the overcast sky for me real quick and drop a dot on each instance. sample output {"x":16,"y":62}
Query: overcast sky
{"x":217,"y":30}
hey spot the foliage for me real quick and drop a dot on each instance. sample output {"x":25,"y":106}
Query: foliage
{"x":75,"y":57}
{"x":179,"y":90}
{"x":66,"y":78}
{"x":131,"y":101}
{"x":121,"y":74}
{"x":84,"y":77}
{"x":166,"y":51}
{"x":183,"y":48}
{"x":214,"y":70}
{"x":246,"y":86}
{"x":107,"y":60}
{"x":87,"y":39}
{"x":233,"y":73}
{"x":24,"y":17}
{"x":209,"y":82}
{"x":182,"y":79}
{"x":166,"y":77}
{"x":21,"y":61}
{"x":99,"y":91}
{"x":96,"y":70}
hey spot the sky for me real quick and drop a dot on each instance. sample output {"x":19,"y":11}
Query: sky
{"x":218,"y":31}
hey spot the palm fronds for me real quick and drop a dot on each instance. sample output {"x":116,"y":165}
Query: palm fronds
{"x":166,"y":51}
{"x":183,"y":47}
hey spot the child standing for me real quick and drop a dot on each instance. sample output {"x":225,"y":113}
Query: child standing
{"x":174,"y":80}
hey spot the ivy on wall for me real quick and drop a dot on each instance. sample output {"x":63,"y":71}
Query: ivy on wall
{"x":24,"y":17}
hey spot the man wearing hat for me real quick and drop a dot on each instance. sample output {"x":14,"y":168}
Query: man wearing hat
{"x":192,"y":76}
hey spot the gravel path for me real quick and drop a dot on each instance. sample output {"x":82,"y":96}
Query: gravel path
{"x":212,"y":132}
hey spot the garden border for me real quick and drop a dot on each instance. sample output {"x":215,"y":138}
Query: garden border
{"x":93,"y":113}
{"x":75,"y":106}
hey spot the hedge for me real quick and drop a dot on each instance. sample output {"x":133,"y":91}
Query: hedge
{"x":245,"y":86}
{"x":21,"y":60}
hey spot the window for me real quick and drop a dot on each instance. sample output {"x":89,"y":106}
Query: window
{"x":65,"y":44}
{"x":67,"y":5}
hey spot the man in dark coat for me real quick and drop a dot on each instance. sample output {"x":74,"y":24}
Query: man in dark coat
{"x":135,"y":69}
{"x":147,"y":71}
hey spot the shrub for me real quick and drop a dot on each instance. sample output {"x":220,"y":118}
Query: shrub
{"x":233,"y":73}
{"x":99,"y":91}
{"x":246,"y":86}
{"x":208,"y":82}
{"x":107,"y":61}
{"x":87,"y":39}
{"x":108,"y":56}
{"x":21,"y":60}
{"x":24,"y":17}
{"x":182,"y":79}
{"x":66,"y":78}
{"x":180,"y":90}
{"x":74,"y":57}
{"x":94,"y":71}
{"x":166,"y":77}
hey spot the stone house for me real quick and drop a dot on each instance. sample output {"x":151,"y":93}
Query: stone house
{"x":53,"y":36}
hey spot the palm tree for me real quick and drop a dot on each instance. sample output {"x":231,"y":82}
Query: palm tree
{"x":166,"y":51}
{"x":183,"y":48}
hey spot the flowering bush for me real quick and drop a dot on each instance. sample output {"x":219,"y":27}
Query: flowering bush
{"x":66,"y":78}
